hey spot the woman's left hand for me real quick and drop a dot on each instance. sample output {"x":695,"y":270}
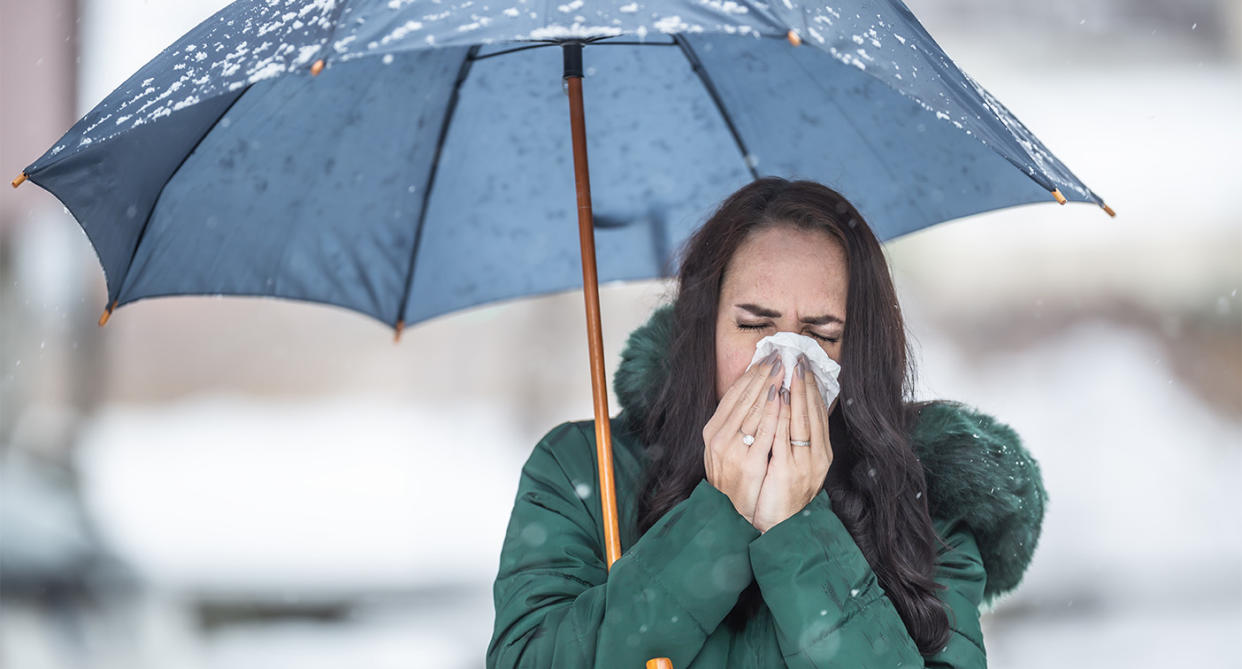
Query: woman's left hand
{"x":796,"y":473}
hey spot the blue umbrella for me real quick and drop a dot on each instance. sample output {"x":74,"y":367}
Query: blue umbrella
{"x":427,"y":168}
{"x":407,"y":158}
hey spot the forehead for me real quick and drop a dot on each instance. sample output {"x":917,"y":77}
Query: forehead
{"x":788,"y":268}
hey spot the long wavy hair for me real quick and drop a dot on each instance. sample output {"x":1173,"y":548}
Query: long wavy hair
{"x":875,"y":476}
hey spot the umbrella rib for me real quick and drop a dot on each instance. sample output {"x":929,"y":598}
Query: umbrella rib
{"x":536,"y":46}
{"x":338,"y":10}
{"x":501,"y":53}
{"x":602,"y":42}
{"x":431,"y":177}
{"x":114,"y":299}
{"x":879,"y":158}
{"x":697,"y":65}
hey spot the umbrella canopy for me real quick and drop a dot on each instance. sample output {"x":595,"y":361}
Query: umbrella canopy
{"x":408,"y":158}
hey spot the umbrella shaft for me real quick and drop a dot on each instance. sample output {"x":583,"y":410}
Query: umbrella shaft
{"x":590,"y":289}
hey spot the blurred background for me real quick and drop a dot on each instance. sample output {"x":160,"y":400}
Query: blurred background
{"x":239,"y":482}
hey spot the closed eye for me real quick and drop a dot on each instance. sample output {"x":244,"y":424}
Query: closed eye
{"x":747,"y":326}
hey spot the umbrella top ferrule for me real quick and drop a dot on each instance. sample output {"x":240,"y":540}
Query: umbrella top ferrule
{"x":573,"y":59}
{"x":793,"y":38}
{"x":317,"y":67}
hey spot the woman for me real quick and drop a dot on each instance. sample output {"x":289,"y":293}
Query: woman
{"x":863,"y":534}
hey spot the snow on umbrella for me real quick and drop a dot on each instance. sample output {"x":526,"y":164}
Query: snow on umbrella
{"x":407,"y":158}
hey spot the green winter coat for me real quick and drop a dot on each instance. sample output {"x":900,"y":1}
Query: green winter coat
{"x":558,"y":605}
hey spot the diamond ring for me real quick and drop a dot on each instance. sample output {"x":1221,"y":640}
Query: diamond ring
{"x":748,"y":439}
{"x":799,"y":442}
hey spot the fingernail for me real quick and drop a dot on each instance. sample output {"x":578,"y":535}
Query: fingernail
{"x":771,"y":392}
{"x":785,"y":396}
{"x":776,"y":367}
{"x":798,"y":368}
{"x":803,"y":361}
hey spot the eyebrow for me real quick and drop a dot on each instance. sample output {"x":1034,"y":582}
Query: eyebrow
{"x":809,"y":320}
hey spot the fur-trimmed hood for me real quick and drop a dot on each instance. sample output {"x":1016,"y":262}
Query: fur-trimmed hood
{"x":976,"y":468}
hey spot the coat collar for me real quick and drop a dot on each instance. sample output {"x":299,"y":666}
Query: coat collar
{"x":976,"y":468}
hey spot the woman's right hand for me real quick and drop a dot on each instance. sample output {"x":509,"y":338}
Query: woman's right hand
{"x":749,"y":407}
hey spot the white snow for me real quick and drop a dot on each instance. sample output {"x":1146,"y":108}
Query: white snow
{"x":575,"y":30}
{"x":725,"y":6}
{"x":298,"y":494}
{"x":401,"y":31}
{"x":675,"y":24}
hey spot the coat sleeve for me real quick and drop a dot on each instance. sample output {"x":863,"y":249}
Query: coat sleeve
{"x":558,"y":605}
{"x":828,"y":606}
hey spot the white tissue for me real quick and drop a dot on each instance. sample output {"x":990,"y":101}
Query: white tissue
{"x":790,"y":344}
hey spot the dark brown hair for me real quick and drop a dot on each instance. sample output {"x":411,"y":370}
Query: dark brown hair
{"x":875,"y":475}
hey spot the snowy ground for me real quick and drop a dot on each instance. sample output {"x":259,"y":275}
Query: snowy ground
{"x":350,"y":494}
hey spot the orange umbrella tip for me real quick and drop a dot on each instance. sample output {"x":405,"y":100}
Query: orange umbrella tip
{"x":317,"y":68}
{"x":1108,"y":210}
{"x":103,"y":318}
{"x":396,"y":337}
{"x":793,"y":38}
{"x":659,"y":663}
{"x":21,"y":178}
{"x":1056,"y":192}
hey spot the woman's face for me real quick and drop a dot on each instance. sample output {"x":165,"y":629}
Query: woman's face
{"x":780,"y":279}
